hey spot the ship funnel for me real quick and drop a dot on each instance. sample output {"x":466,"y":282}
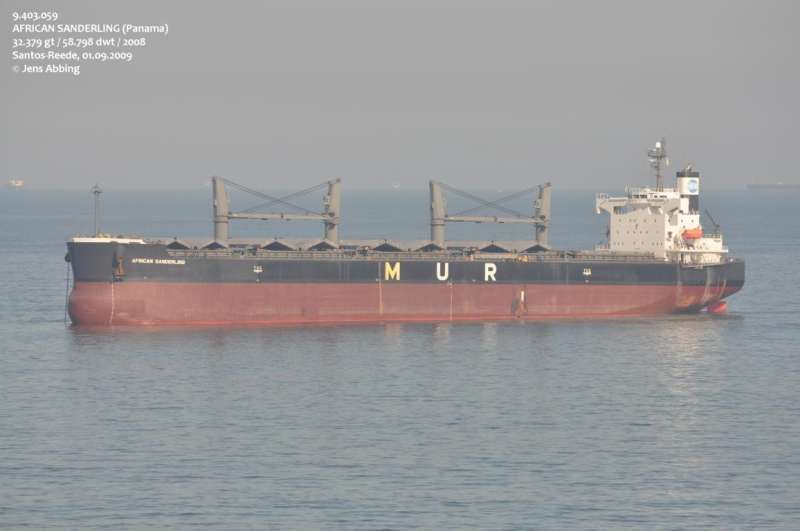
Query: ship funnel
{"x":687,"y":181}
{"x":221,"y":210}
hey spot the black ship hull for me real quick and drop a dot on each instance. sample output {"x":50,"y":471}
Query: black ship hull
{"x":141,"y":283}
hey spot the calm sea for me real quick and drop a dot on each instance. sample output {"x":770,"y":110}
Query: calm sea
{"x":682,"y":422}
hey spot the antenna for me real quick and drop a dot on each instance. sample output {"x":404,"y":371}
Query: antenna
{"x":657,"y":156}
{"x":96,"y":190}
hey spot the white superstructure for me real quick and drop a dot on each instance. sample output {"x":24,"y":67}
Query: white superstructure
{"x":662,"y":221}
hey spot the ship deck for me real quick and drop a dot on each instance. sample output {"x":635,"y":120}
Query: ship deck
{"x":376,"y":250}
{"x":422,"y":256}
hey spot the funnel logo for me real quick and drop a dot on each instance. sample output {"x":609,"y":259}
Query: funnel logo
{"x":693,"y":186}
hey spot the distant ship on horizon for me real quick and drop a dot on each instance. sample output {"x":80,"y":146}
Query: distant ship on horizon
{"x":774,"y":186}
{"x":16,"y":183}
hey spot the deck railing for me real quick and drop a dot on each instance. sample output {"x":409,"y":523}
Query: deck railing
{"x":374,"y":256}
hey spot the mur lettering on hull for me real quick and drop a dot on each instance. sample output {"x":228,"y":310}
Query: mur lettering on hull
{"x":489,"y":272}
{"x":391,"y":272}
{"x":442,"y":274}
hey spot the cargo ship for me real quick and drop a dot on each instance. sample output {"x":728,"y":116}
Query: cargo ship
{"x":657,"y":260}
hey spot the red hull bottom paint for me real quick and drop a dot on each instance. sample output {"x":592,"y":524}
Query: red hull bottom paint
{"x":160,"y":303}
{"x":718,"y":308}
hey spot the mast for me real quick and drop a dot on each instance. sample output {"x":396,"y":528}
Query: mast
{"x":541,"y":211}
{"x":333,"y":208}
{"x":96,"y":190}
{"x":657,"y":156}
{"x":438,"y":214}
{"x":221,"y":211}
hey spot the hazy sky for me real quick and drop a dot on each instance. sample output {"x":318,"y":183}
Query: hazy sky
{"x":478,"y":94}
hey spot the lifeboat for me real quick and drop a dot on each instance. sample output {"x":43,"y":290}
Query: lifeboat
{"x":693,"y":234}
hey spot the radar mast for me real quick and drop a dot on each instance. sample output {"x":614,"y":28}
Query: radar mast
{"x":657,"y":156}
